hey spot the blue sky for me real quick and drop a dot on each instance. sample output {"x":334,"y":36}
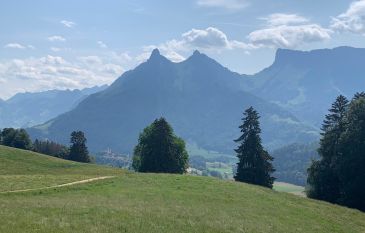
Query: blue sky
{"x":74,"y":44}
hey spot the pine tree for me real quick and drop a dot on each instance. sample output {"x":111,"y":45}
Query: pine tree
{"x":78,"y":149}
{"x":351,"y":162}
{"x":359,"y":95}
{"x":323,"y":181}
{"x":254,"y":164}
{"x":159,"y":150}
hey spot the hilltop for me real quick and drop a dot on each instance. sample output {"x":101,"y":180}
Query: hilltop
{"x":132,"y":202}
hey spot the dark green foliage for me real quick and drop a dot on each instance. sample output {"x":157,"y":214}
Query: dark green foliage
{"x":359,"y":95}
{"x":51,"y":148}
{"x":17,"y":138}
{"x":254,"y":164}
{"x":351,"y":160}
{"x":78,"y":149}
{"x":339,"y":175}
{"x":322,"y":178}
{"x":291,"y":162}
{"x":159,"y":150}
{"x":7,"y":136}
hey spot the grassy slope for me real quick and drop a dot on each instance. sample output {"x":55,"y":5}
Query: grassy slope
{"x":156,"y":203}
{"x":21,"y":169}
{"x":289,"y":188}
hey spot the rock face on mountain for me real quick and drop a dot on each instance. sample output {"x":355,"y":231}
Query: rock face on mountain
{"x":28,"y":109}
{"x":203,"y":101}
{"x":306,"y":83}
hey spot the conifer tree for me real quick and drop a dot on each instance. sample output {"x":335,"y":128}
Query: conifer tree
{"x":359,"y":95}
{"x":351,"y":162}
{"x":254,"y":164}
{"x":322,"y":175}
{"x":78,"y":149}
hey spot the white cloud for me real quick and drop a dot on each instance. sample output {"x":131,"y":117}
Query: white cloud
{"x":209,"y":40}
{"x":227,"y":4}
{"x":55,"y":49}
{"x":289,"y":36}
{"x":353,"y":20}
{"x":55,"y":72}
{"x":56,"y":38}
{"x":288,"y":31}
{"x":285,"y":19}
{"x":120,"y":58}
{"x":91,"y":60}
{"x":52,"y":60}
{"x":102,"y":44}
{"x":14,"y":46}
{"x":67,"y":23}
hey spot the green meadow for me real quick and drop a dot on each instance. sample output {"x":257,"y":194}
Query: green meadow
{"x":133,"y":202}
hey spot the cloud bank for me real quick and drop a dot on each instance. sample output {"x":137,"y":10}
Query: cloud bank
{"x":288,"y":31}
{"x":353,"y":20}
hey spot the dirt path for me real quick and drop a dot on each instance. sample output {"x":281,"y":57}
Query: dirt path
{"x":61,"y":185}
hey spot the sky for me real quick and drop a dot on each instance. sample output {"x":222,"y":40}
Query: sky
{"x":64,"y":44}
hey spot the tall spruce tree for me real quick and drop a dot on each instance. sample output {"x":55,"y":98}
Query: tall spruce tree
{"x":78,"y":149}
{"x":323,"y":181}
{"x":351,"y":162}
{"x":254,"y":164}
{"x":159,"y":150}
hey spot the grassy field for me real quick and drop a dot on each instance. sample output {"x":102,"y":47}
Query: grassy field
{"x":21,"y":169}
{"x":289,"y":188}
{"x":133,"y":202}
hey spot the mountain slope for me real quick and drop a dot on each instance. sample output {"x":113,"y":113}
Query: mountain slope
{"x":27,"y":109}
{"x":292,"y":161}
{"x":133,"y":202}
{"x":306,"y":83}
{"x":200,"y":98}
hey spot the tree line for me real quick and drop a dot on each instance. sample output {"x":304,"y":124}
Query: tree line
{"x":19,"y":138}
{"x":339,"y":175}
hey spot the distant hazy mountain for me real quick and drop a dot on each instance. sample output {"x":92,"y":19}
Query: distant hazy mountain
{"x":203,"y":101}
{"x":306,"y":83}
{"x":28,"y":109}
{"x":292,"y":161}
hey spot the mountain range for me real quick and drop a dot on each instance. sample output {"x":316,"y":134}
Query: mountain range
{"x":202,"y":100}
{"x":28,"y":109}
{"x":307,"y":82}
